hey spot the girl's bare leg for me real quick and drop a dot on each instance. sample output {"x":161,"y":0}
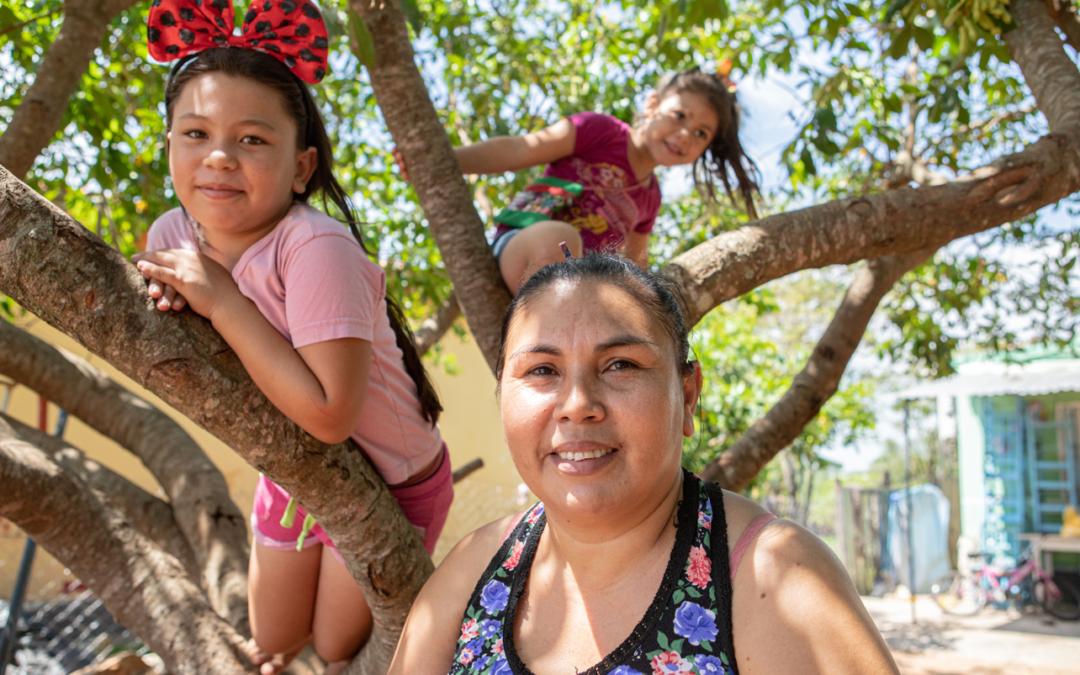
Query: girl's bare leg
{"x":281,"y":601}
{"x":342,"y":622}
{"x":535,"y":246}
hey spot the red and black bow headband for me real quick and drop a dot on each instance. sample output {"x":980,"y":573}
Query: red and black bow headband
{"x":292,"y":31}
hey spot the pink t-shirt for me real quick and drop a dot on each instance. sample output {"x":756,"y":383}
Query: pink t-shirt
{"x":313,"y":282}
{"x":613,"y":203}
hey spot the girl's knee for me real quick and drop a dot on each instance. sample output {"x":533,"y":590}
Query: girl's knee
{"x":340,"y":647}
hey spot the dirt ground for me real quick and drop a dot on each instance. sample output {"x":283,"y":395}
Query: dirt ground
{"x":994,"y":642}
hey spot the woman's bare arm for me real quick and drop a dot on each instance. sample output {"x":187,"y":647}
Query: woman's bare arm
{"x":795,"y":611}
{"x":431,"y":632}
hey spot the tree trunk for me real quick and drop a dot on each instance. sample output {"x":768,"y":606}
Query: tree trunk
{"x":148,"y":514}
{"x":819,"y":379}
{"x":143,"y":588}
{"x":69,"y":277}
{"x":212,"y":524}
{"x":38,"y":117}
{"x":434,"y":172}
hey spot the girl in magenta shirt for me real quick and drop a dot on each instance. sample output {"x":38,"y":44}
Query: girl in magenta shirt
{"x":598,"y":191}
{"x":293,"y":293}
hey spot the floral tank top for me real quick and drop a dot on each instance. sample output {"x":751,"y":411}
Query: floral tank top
{"x":686,"y":630}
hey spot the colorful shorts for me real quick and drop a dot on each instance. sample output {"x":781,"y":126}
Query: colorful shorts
{"x":425,"y":504}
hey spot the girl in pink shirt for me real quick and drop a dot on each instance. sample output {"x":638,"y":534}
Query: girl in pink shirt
{"x":598,"y":192}
{"x":293,"y":293}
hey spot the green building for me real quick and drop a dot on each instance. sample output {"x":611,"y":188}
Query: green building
{"x":1016,"y":427}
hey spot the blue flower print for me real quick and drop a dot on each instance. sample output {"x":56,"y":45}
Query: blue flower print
{"x":479,"y":664}
{"x":695,"y":623}
{"x":494,"y":596}
{"x":624,"y":670}
{"x":710,"y":665}
{"x":476,"y":646}
{"x":501,"y":667}
{"x":489,"y":628}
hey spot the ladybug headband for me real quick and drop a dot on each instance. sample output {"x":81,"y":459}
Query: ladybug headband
{"x":292,"y":31}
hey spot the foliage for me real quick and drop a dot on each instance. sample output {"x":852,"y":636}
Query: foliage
{"x":888,"y":85}
{"x":750,"y":350}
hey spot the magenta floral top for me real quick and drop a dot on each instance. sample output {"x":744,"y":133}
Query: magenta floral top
{"x":685,"y":631}
{"x":613,"y":202}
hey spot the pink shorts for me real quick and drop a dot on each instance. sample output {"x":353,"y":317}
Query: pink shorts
{"x":425,"y":504}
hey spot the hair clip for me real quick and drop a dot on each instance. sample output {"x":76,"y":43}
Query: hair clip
{"x":723,"y":69}
{"x":292,"y":31}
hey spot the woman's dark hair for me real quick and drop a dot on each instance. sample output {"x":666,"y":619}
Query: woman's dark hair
{"x":725,"y":153}
{"x":652,"y":293}
{"x":311,"y":132}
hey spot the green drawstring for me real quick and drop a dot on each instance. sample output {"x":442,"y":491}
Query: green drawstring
{"x":309,"y":522}
{"x":289,"y":518}
{"x":290,"y":513}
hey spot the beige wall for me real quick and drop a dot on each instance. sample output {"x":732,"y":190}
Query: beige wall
{"x":470,"y":426}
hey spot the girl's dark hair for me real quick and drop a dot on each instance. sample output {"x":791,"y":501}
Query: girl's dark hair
{"x":725,"y":154}
{"x":311,"y":132}
{"x":652,"y":293}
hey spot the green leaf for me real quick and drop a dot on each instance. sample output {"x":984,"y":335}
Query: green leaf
{"x":662,"y":641}
{"x":893,"y":8}
{"x":413,"y":14}
{"x":360,"y":40}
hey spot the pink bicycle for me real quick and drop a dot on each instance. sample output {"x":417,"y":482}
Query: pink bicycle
{"x":1028,"y":583}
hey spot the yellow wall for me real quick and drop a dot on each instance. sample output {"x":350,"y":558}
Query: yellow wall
{"x":470,"y":425}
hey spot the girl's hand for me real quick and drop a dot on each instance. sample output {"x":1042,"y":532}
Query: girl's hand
{"x":166,"y":295}
{"x":198,"y":281}
{"x":399,"y":159}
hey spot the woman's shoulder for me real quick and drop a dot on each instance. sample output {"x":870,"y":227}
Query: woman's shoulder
{"x":793,"y":602}
{"x":472,"y":555}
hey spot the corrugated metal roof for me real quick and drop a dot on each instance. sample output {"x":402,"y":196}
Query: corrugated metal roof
{"x":998,"y":379}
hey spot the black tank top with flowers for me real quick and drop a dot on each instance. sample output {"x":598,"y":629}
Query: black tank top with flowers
{"x":686,"y":630}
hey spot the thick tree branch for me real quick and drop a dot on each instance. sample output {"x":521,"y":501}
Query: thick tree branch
{"x":819,"y":379}
{"x":1064,"y":14}
{"x":202,"y":507}
{"x":845,"y":231}
{"x":435,"y":326}
{"x":69,"y":277}
{"x":38,"y":117}
{"x":143,"y":587}
{"x":150,"y":515}
{"x":1048,"y":71}
{"x":434,"y":172}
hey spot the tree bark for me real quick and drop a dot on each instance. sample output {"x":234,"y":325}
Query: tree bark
{"x":38,"y":117}
{"x":435,"y":326}
{"x":70,"y":278}
{"x":201,"y":504}
{"x":150,"y":515}
{"x":845,"y":231}
{"x":1013,"y":186}
{"x":1048,"y":71}
{"x":144,"y":588}
{"x":434,"y":172}
{"x":819,"y":379}
{"x":1064,"y":14}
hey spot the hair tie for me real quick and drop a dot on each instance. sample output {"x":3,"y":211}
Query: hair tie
{"x":292,"y":31}
{"x":723,"y":69}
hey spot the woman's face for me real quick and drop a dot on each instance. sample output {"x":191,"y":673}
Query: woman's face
{"x":594,"y":408}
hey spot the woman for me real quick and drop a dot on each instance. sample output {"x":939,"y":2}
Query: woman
{"x":624,"y":566}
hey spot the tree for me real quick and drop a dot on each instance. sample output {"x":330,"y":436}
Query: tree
{"x":896,"y":78}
